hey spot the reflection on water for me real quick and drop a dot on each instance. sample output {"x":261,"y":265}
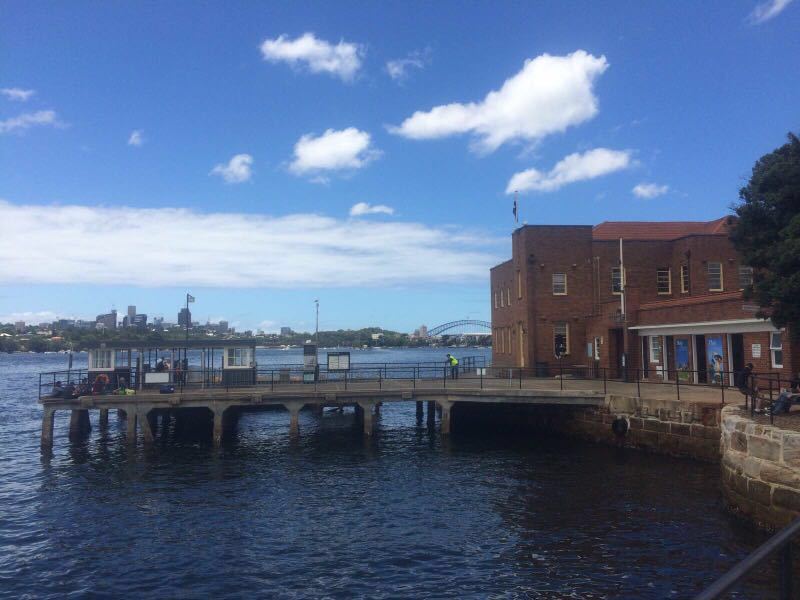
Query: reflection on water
{"x":406,"y":514}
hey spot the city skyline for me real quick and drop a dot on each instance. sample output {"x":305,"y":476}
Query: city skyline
{"x":364,"y":155}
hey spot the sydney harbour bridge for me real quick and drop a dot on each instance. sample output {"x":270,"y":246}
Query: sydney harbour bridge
{"x":462,"y":328}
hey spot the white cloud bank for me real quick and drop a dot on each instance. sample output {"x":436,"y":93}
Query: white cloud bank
{"x":136,"y":138}
{"x":342,"y":150}
{"x":342,"y":60}
{"x":17,"y":94}
{"x":649,"y":190}
{"x":238,"y":170}
{"x":364,"y":208}
{"x":28,"y":120}
{"x":767,"y":10}
{"x":549,"y":94}
{"x":572,"y":168}
{"x":110,"y":246}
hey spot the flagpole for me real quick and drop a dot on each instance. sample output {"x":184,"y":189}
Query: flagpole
{"x":187,"y":319}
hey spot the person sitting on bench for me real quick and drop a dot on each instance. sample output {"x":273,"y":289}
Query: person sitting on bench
{"x":787,"y":397}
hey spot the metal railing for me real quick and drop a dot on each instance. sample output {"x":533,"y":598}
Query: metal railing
{"x":631,"y":382}
{"x":779,"y":545}
{"x":765,"y":389}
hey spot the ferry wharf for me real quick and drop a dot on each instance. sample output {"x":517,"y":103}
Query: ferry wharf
{"x":144,"y":383}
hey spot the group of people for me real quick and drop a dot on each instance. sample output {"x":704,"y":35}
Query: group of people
{"x":101,"y":385}
{"x":749,"y":385}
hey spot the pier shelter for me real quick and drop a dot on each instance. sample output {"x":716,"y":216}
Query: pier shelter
{"x":143,"y":365}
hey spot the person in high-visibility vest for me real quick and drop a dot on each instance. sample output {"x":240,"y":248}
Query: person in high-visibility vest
{"x":453,"y":362}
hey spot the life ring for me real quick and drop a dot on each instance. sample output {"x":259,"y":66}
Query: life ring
{"x":620,"y":426}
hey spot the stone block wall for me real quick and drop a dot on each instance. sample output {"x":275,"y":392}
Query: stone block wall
{"x":663,"y":426}
{"x":760,"y":470}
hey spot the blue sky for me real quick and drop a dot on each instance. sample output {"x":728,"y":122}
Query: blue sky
{"x":221,"y":147}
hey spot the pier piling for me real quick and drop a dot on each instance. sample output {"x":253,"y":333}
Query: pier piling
{"x":103,"y":417}
{"x":48,"y":419}
{"x":420,"y":411}
{"x":218,"y":417}
{"x":445,"y":407}
{"x":294,"y":417}
{"x":79,"y":424}
{"x":431,"y":413}
{"x":366,"y":415}
{"x":145,"y":424}
{"x":131,"y":426}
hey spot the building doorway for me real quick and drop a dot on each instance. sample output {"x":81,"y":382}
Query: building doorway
{"x":737,"y":354}
{"x":700,"y":357}
{"x":616,"y":351}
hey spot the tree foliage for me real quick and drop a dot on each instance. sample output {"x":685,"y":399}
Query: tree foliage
{"x":767,"y":234}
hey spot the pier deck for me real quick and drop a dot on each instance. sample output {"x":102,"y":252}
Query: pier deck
{"x":145,"y":405}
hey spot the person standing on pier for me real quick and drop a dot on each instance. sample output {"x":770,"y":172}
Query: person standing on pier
{"x":453,"y":362}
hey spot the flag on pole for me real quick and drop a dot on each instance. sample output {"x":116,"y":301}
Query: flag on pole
{"x":189,"y":298}
{"x":514,"y":210}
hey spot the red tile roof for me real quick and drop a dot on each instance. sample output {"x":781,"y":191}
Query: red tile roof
{"x":659,"y":230}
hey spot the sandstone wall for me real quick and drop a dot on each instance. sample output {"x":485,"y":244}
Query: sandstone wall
{"x":760,"y":470}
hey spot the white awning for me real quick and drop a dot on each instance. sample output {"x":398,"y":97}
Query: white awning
{"x":707,"y":327}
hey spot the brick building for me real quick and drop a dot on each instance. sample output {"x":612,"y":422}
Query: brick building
{"x":657,"y":300}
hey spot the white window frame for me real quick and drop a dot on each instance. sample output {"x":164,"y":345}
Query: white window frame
{"x":721,"y":287}
{"x":107,"y":363}
{"x":555,"y":293}
{"x":621,"y":280}
{"x":774,"y":349}
{"x":659,"y":272}
{"x":685,"y":279}
{"x":237,"y":357}
{"x":655,"y":349}
{"x":556,"y":327}
{"x":749,"y":271}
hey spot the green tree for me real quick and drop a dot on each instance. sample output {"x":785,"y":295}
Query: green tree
{"x":767,"y":234}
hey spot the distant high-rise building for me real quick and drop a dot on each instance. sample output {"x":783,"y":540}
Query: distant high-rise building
{"x":222,"y":327}
{"x":139,"y":321}
{"x":423,"y":331}
{"x":131,"y":314}
{"x":185,"y":317}
{"x":286,"y":331}
{"x":109,"y":320}
{"x":19,"y":326}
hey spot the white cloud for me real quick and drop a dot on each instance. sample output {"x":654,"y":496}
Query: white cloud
{"x":364,"y":208}
{"x":398,"y":68}
{"x":767,"y":10}
{"x":136,"y":138}
{"x":572,"y":168}
{"x":548,"y":95}
{"x":319,"y":56}
{"x":33,"y":317}
{"x":346,"y":149}
{"x":236,"y":250}
{"x":17,"y":94}
{"x":238,"y":169}
{"x":28,"y":120}
{"x":649,"y":190}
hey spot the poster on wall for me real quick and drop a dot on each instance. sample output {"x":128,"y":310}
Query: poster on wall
{"x":682,"y":359}
{"x":714,"y":358}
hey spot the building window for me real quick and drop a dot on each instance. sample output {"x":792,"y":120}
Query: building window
{"x":664,"y":280}
{"x":508,"y":296}
{"x":559,"y":284}
{"x":101,"y":359}
{"x":684,"y":279}
{"x":502,"y":299}
{"x":655,"y":349}
{"x":616,"y":280}
{"x":745,"y":277}
{"x":715,"y":277}
{"x":237,"y":357}
{"x":496,"y":303}
{"x":560,"y":338}
{"x":776,"y":349}
{"x":519,"y":285}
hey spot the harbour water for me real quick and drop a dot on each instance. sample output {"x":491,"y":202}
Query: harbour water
{"x":406,"y":514}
